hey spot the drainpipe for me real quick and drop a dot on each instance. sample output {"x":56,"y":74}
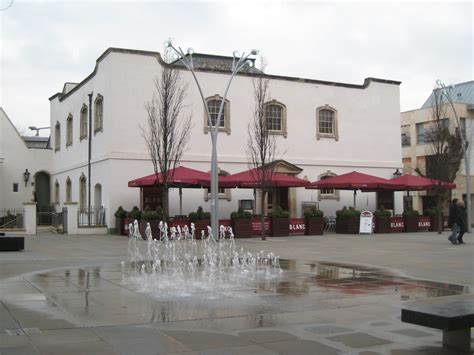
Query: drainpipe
{"x":89,"y":160}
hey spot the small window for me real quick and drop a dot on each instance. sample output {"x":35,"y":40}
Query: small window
{"x":420,"y":133}
{"x":275,"y":116}
{"x":15,"y":187}
{"x":223,"y":193}
{"x":98,"y":113}
{"x":326,"y":123}
{"x":68,"y":190}
{"x":406,"y":139}
{"x":69,"y":123}
{"x":213,"y":105}
{"x":327,"y":194}
{"x":57,"y":136}
{"x":83,"y":123}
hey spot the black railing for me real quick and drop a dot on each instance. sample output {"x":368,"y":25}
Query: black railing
{"x":93,"y":217}
{"x":12,"y":218}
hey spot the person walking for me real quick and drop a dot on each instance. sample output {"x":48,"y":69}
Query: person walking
{"x":453,"y":221}
{"x":462,"y":221}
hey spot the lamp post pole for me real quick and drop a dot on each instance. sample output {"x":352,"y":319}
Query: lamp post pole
{"x":466,"y":152}
{"x":238,"y":62}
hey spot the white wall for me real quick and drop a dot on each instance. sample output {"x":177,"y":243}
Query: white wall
{"x":18,"y":158}
{"x":368,"y":121}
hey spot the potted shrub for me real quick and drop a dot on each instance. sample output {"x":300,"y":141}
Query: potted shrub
{"x":433,"y":214}
{"x":121,"y":221}
{"x":382,"y":220}
{"x":410,"y":217}
{"x":153,"y":217}
{"x":314,"y":221}
{"x":280,"y":224}
{"x":241,"y":223}
{"x":347,"y":220}
{"x":201,"y":220}
{"x":134,"y":214}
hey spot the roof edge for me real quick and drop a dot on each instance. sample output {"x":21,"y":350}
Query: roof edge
{"x":157,"y":55}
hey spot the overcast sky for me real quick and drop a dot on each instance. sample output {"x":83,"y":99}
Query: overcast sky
{"x":46,"y":43}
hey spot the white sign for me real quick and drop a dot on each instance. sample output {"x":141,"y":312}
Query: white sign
{"x":366,"y":222}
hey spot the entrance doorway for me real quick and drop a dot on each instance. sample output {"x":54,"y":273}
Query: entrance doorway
{"x":42,"y":191}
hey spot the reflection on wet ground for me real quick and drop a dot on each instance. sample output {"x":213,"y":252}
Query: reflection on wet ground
{"x":105,"y":296}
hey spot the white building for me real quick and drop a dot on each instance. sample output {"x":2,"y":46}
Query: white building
{"x":322,"y":129}
{"x":25,"y":168}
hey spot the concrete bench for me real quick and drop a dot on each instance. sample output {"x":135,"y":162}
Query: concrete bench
{"x":11,"y":243}
{"x":454,"y":315}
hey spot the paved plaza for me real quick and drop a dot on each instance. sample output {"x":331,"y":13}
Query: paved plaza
{"x":337,"y":294}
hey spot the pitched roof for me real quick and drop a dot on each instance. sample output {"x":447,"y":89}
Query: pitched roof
{"x":462,"y":93}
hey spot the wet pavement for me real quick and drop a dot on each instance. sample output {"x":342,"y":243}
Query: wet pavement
{"x":313,"y":307}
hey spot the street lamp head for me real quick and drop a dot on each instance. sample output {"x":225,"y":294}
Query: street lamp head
{"x":33,"y":128}
{"x":190,"y":51}
{"x":254,"y":52}
{"x":168,"y":43}
{"x":236,"y":54}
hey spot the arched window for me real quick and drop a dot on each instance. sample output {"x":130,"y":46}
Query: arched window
{"x":69,"y":123}
{"x":56,"y":192}
{"x":326,"y":122}
{"x":224,"y":193}
{"x":82,"y":191}
{"x":57,"y":136}
{"x":275,"y":116}
{"x":83,"y":123}
{"x":213,"y":105}
{"x":97,"y":195}
{"x":329,"y":194}
{"x":98,"y":113}
{"x":68,"y":190}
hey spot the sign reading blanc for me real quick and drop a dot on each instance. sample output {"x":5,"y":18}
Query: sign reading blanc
{"x":366,"y":222}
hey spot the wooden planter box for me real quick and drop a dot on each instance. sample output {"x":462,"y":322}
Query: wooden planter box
{"x":280,"y":227}
{"x":121,"y":226}
{"x":434,"y":223}
{"x":347,"y":225}
{"x":411,"y":224}
{"x":424,"y":223}
{"x":201,"y":225}
{"x":314,"y":226}
{"x":382,"y":224}
{"x":242,"y":228}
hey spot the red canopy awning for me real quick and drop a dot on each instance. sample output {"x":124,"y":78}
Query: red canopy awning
{"x":250,"y":179}
{"x":179,"y":177}
{"x":354,"y":181}
{"x":413,"y":183}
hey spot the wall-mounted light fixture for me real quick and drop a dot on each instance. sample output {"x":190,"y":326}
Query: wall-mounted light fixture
{"x":26,"y":176}
{"x":397,"y":173}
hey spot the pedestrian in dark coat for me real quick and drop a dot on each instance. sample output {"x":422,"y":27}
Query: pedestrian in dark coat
{"x":462,"y":221}
{"x":453,"y":221}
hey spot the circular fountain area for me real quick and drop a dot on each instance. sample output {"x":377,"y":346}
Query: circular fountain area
{"x":184,"y":267}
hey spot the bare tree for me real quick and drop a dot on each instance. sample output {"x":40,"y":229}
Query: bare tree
{"x":167,"y":131}
{"x":446,"y":151}
{"x":261,"y":147}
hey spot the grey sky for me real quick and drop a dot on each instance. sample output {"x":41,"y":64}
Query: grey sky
{"x":46,"y":43}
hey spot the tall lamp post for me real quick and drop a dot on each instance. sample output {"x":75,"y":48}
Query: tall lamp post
{"x":445,"y":91}
{"x":238,"y":62}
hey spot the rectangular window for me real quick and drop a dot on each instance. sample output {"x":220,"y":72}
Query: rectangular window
{"x":462,"y":122}
{"x":420,"y":133}
{"x":274,"y":117}
{"x":214,"y":106}
{"x":326,"y":122}
{"x":406,"y":138}
{"x":15,"y":187}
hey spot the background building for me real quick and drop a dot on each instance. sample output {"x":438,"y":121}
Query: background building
{"x":417,"y":148}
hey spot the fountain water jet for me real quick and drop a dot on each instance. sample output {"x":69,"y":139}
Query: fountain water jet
{"x":181,"y":266}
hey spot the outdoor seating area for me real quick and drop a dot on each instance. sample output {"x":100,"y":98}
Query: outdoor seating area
{"x":345,"y":221}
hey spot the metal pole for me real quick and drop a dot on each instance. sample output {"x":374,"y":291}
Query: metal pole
{"x":467,"y":154}
{"x":180,"y":201}
{"x":89,"y":159}
{"x":214,"y":128}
